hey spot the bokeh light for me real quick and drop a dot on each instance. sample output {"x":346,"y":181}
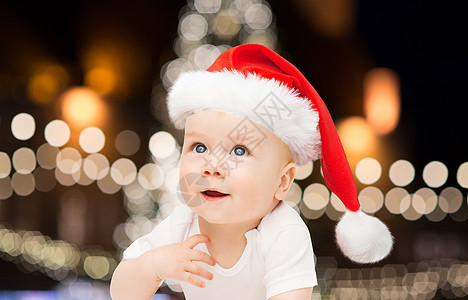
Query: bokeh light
{"x":382,"y":99}
{"x":69,"y":160}
{"x":150,"y":176}
{"x":356,"y":136}
{"x":204,"y":56}
{"x":435,"y":174}
{"x":424,"y":201}
{"x":226,"y":24}
{"x":5,"y":165}
{"x":397,"y":200}
{"x":462,"y":175}
{"x":207,"y":6}
{"x":368,"y":170}
{"x":193,"y":27}
{"x":96,"y":166}
{"x":82,"y":107}
{"x":45,"y":84}
{"x":316,"y":196}
{"x":5,"y":188}
{"x":294,"y":194}
{"x":123,"y":171}
{"x":47,"y":156}
{"x":23,"y":184}
{"x":162,"y":144}
{"x":57,"y":133}
{"x":23,"y":126}
{"x":411,"y":214}
{"x":107,"y":185}
{"x":24,"y":160}
{"x":336,"y":203}
{"x":371,"y":199}
{"x":450,"y":200}
{"x":304,"y":171}
{"x":92,"y":139}
{"x":127,"y":142}
{"x":96,"y":266}
{"x":401,"y":173}
{"x":258,"y":16}
{"x":101,"y":79}
{"x":65,"y":179}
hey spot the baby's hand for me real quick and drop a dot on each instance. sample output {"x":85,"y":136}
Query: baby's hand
{"x":175,"y":261}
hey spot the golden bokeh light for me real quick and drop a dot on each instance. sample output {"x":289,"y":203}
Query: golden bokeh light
{"x":103,"y":80}
{"x":357,"y":137}
{"x":46,"y":83}
{"x":82,"y":107}
{"x":382,"y":100}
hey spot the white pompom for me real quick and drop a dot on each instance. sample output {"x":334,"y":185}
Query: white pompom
{"x":363,"y":238}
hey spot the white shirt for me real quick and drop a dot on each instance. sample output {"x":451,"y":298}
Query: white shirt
{"x":277,"y":258}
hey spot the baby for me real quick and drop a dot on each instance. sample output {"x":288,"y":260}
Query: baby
{"x":248,"y":119}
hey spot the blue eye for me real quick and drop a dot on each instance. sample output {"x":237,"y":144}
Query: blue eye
{"x":240,"y":151}
{"x":200,"y":148}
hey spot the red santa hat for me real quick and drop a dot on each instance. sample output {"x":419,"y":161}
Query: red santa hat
{"x":255,"y":82}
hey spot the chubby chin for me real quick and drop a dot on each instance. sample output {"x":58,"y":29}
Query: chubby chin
{"x":193,"y":200}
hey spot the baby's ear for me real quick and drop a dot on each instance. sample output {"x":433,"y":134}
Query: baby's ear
{"x":287,"y":177}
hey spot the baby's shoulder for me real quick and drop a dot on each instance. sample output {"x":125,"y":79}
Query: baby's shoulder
{"x":281,"y":218}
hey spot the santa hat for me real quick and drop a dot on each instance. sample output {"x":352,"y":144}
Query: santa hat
{"x":255,"y":82}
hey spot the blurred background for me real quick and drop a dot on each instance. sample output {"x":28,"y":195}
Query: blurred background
{"x":88,"y":157}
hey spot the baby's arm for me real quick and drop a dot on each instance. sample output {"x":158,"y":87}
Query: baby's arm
{"x":139,"y":278}
{"x":299,"y":294}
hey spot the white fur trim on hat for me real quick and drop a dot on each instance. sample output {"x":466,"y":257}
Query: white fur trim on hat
{"x":294,"y":120}
{"x":363,"y":238}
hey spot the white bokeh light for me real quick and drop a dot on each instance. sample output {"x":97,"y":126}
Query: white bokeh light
{"x":294,"y":194}
{"x":337,"y":203}
{"x":5,"y":165}
{"x":258,"y":16}
{"x":193,"y":27}
{"x":47,"y":156}
{"x":371,"y":199}
{"x":92,"y":140}
{"x":304,"y":171}
{"x":23,"y":126}
{"x":24,"y":160}
{"x":5,"y":188}
{"x":123,"y":171}
{"x":316,"y":196}
{"x":150,"y":176}
{"x":424,"y":201}
{"x":401,"y":173}
{"x":462,"y":175}
{"x":397,"y":200}
{"x":107,"y":185}
{"x":435,"y":174}
{"x":162,"y":144}
{"x":69,"y":160}
{"x":368,"y":170}
{"x":96,"y":166}
{"x":57,"y":133}
{"x":23,"y":184}
{"x":450,"y":200}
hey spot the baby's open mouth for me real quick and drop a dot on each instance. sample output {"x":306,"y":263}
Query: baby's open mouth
{"x":211,"y":193}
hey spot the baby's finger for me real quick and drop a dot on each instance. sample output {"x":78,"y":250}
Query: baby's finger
{"x":190,"y":278}
{"x":201,"y":256}
{"x":196,"y":239}
{"x":197,"y":270}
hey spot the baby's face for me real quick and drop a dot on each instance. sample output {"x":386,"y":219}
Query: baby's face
{"x":235,"y":157}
